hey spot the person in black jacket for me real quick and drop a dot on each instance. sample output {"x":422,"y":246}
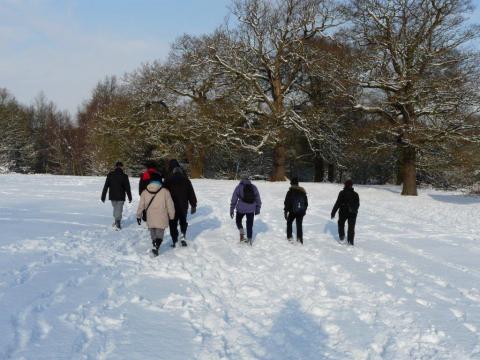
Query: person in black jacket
{"x":183,"y":194}
{"x":117,"y":185}
{"x":296,"y":204}
{"x":348,"y":202}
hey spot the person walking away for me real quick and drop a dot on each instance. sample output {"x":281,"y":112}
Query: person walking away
{"x":157,"y":203}
{"x":117,"y":185}
{"x":246,"y":201}
{"x":146,"y":176}
{"x":296,"y":203}
{"x":348,"y":202}
{"x":182,"y":192}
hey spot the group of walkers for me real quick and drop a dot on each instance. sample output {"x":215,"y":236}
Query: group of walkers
{"x":165,"y":201}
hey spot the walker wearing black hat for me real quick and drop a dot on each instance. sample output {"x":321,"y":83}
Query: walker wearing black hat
{"x":348,"y":202}
{"x":183,"y":195}
{"x":117,"y":185}
{"x":296,"y":204}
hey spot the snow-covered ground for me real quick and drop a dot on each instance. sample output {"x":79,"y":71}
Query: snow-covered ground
{"x":72,"y":288}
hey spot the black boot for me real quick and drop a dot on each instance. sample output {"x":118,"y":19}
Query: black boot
{"x":118,"y":224}
{"x":156,"y":245}
{"x":183,"y":240}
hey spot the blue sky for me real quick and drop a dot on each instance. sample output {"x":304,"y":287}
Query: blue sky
{"x":65,"y":47}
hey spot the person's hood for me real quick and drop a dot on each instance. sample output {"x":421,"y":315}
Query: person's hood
{"x":153,"y":187}
{"x":178,"y":170}
{"x":173,"y":164}
{"x":348,"y":188}
{"x":118,"y":170}
{"x":298,"y":188}
{"x":245,"y":182}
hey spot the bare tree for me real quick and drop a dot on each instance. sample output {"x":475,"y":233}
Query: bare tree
{"x":17,"y":151}
{"x":416,"y":74}
{"x":268,"y":53}
{"x":197,"y":96}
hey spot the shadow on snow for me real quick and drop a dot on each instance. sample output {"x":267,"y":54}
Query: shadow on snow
{"x":331,"y":228}
{"x":295,"y":335}
{"x":456,"y":199}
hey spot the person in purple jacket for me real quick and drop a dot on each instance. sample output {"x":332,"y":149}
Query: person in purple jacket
{"x":246,"y":200}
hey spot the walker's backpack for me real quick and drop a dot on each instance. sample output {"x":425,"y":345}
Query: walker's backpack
{"x":298,"y":203}
{"x":248,"y":194}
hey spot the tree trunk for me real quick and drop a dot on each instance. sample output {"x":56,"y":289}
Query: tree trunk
{"x":196,"y":160}
{"x":319,"y":170}
{"x":331,"y":173}
{"x":400,"y":170}
{"x":409,"y":156}
{"x":279,"y":157}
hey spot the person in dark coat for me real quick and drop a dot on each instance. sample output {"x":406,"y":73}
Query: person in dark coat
{"x":182,"y":192}
{"x":348,"y":202}
{"x":146,"y":176}
{"x":246,"y":200}
{"x":117,"y":185}
{"x":296,"y":204}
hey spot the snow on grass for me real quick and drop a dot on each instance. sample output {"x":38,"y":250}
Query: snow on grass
{"x":72,"y":288}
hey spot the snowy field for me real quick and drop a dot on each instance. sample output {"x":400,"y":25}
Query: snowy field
{"x":72,"y":288}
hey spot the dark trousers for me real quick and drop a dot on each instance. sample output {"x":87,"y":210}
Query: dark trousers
{"x":250,"y":217}
{"x":181,"y":218}
{"x":298,"y":221}
{"x":351,"y":219}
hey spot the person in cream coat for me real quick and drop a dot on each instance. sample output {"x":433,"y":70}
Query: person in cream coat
{"x":158,"y":203}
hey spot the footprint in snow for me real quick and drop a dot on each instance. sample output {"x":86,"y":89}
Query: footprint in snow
{"x":471,"y":294}
{"x":471,"y":327}
{"x":308,"y":278}
{"x":459,"y":314}
{"x":441,"y":283}
{"x":423,"y":302}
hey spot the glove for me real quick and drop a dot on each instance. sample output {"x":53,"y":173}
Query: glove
{"x":139,"y":221}
{"x":332,"y":215}
{"x":193,"y":210}
{"x":286,"y":215}
{"x":257,"y":212}
{"x":231,"y":214}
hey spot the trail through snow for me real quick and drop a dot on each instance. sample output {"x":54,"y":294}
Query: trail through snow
{"x":72,"y":288}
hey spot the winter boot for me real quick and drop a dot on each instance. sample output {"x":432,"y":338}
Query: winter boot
{"x":183,"y":240}
{"x":118,"y":224}
{"x":300,"y":240}
{"x":242,"y":235}
{"x":174,"y":244}
{"x":250,"y":241}
{"x":290,"y":239}
{"x":156,"y":245}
